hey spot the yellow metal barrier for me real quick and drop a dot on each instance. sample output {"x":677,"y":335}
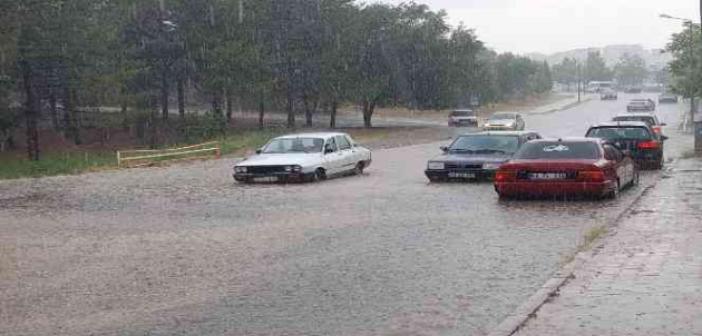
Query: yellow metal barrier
{"x":145,"y":157}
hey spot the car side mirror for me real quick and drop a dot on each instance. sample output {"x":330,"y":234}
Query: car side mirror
{"x":626,"y":152}
{"x":664,"y":124}
{"x":328,"y":150}
{"x":444,"y":149}
{"x":664,"y":138}
{"x":259,"y":151}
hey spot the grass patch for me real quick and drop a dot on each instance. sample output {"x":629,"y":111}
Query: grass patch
{"x":56,"y":163}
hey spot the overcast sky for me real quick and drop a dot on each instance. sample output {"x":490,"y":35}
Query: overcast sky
{"x":549,"y":26}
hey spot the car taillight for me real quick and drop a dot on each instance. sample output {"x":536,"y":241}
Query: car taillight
{"x":653,"y":144}
{"x":657,"y":130}
{"x":591,"y":175}
{"x":505,"y":176}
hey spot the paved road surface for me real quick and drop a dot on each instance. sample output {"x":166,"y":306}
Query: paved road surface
{"x":185,"y":250}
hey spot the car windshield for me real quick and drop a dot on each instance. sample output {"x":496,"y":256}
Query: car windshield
{"x":558,"y":150}
{"x":485,"y":144}
{"x":502,"y":116}
{"x":647,"y":119}
{"x":613,"y":133}
{"x":462,"y":113}
{"x":294,"y":145}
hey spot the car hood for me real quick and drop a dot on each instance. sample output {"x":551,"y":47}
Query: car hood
{"x":302,"y":159}
{"x":500,"y":122}
{"x":477,"y":158}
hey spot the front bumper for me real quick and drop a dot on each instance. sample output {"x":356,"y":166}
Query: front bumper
{"x":274,"y":177}
{"x":464,"y":122}
{"x":459,"y":174}
{"x":553,"y":188}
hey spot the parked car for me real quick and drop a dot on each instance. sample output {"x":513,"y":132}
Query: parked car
{"x":566,"y":167}
{"x":649,"y":118}
{"x":664,"y":98}
{"x":608,"y":94}
{"x":304,"y":157}
{"x":459,"y":118}
{"x":505,"y":121}
{"x":633,"y":89}
{"x":645,"y":146}
{"x":476,"y":156}
{"x":641,"y":105}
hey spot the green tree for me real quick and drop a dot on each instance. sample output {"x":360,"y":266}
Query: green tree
{"x":631,"y":70}
{"x":566,"y":72}
{"x":596,"y":69}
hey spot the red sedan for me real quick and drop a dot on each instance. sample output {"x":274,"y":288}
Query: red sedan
{"x":566,"y":167}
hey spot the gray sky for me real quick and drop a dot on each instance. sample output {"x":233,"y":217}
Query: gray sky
{"x":548,"y":26}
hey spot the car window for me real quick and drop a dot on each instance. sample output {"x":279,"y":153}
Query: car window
{"x":558,"y":150}
{"x":294,"y":145}
{"x":502,"y":116}
{"x":462,"y":113}
{"x":613,"y":133}
{"x":485,"y":144}
{"x":342,"y":142}
{"x":649,"y":120}
{"x":331,"y":145}
{"x":612,"y":153}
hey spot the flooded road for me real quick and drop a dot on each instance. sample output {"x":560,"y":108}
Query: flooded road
{"x":185,"y":250}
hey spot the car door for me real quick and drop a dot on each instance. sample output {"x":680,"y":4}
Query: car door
{"x":347,"y":153}
{"x":622,"y":166}
{"x":333,"y":157}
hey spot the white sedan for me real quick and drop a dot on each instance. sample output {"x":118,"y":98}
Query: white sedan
{"x":304,"y":157}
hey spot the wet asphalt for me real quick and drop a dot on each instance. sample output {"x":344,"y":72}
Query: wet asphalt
{"x":186,"y":251}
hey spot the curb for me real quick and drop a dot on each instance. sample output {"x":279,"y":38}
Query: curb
{"x":528,"y":310}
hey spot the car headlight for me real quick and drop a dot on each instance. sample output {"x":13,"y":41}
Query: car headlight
{"x":240,"y":169}
{"x":510,"y":124}
{"x":435,"y":165}
{"x":491,"y":166}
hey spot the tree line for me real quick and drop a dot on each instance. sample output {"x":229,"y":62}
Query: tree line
{"x":299,"y":56}
{"x":630,"y":70}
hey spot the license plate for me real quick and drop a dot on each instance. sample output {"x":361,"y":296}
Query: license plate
{"x":266,"y":179}
{"x":547,"y":176}
{"x":461,"y":175}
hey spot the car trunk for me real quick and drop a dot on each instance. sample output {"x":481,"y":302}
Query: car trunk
{"x":544,"y":171}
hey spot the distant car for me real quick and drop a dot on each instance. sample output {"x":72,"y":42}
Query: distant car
{"x":505,"y":121}
{"x":649,"y":118}
{"x":664,"y":98}
{"x":608,"y":94}
{"x":476,"y":156}
{"x":566,"y":167}
{"x":634,"y":136}
{"x":633,"y":89}
{"x":304,"y":157}
{"x":459,"y":118}
{"x":641,"y":105}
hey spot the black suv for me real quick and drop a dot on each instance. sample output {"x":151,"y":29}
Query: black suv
{"x":633,"y":137}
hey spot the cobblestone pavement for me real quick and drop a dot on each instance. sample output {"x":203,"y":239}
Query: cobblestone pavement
{"x":184,"y":250}
{"x":646,"y":278}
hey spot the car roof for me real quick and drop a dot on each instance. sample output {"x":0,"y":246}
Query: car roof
{"x":637,"y":114}
{"x":324,"y":135}
{"x":462,"y":110}
{"x":514,"y":114}
{"x":621,"y":124}
{"x":498,"y":133}
{"x":639,"y":100}
{"x":568,"y":139}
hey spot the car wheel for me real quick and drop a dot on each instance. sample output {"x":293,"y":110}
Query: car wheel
{"x":635,"y":181}
{"x":614,"y":194}
{"x":358,"y":170}
{"x":320,"y":174}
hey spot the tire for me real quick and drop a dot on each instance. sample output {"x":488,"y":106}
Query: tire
{"x":320,"y":174}
{"x":637,"y":176}
{"x":614,"y":194}
{"x":358,"y":170}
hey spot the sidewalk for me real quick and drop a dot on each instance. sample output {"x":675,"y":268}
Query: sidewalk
{"x":646,"y":278}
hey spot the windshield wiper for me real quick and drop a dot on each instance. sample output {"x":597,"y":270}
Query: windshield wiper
{"x":490,"y":151}
{"x":461,"y":150}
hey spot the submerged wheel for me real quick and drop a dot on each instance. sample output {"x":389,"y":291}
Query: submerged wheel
{"x":358,"y":170}
{"x":320,"y":174}
{"x":614,"y":193}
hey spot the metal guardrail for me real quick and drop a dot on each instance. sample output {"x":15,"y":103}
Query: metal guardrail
{"x":146,"y":157}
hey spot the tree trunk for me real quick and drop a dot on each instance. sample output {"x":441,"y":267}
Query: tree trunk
{"x":54,"y":111}
{"x":229,"y":105}
{"x":308,"y":112}
{"x":181,"y":99}
{"x":73,"y":116}
{"x":217,"y":104}
{"x":261,"y":111}
{"x":30,"y":112}
{"x":164,"y":96}
{"x":153,"y":122}
{"x":290,"y":108}
{"x":368,"y":109}
{"x":332,"y":116}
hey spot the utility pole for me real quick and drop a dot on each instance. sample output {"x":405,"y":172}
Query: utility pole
{"x":577,"y":74}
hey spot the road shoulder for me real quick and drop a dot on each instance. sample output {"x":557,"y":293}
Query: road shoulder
{"x":644,"y":278}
